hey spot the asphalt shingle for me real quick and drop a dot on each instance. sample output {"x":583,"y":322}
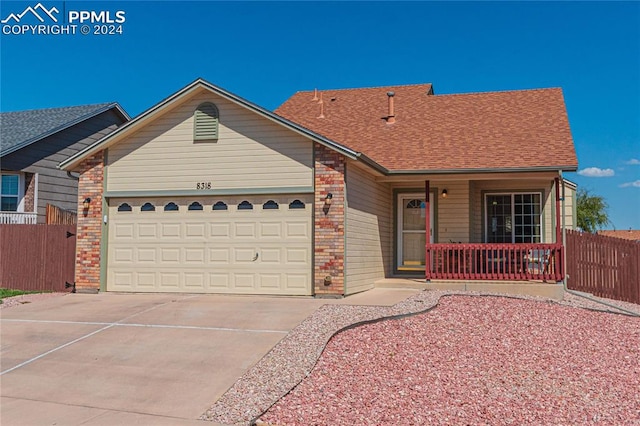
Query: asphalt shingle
{"x":493,"y":130}
{"x":21,"y":128}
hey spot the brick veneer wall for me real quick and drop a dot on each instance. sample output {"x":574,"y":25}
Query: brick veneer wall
{"x":89,"y":224}
{"x":329,"y":221}
{"x":29,"y":192}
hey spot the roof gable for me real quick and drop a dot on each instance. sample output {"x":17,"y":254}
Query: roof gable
{"x":176,"y":99}
{"x":525,"y":129}
{"x":22,"y":128}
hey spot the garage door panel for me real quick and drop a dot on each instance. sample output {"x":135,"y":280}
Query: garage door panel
{"x":147,"y":230}
{"x":124,"y":255}
{"x":271,"y":281}
{"x":170,"y":255}
{"x":211,"y":251}
{"x":194,"y":280}
{"x":297,"y":255}
{"x":246,"y":230}
{"x":146,"y":279}
{"x":298,"y":229}
{"x":220,"y":230}
{"x":219,"y":256}
{"x":169,"y":279}
{"x":124,"y":230}
{"x":195,"y":230}
{"x":271,"y":255}
{"x":219,"y":281}
{"x":271,"y":229}
{"x":147,"y":255}
{"x":297,"y":282}
{"x":170,"y":230}
{"x":241,"y":255}
{"x":194,"y":256}
{"x":244,"y":281}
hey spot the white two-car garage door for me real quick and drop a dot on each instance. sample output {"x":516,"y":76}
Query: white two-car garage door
{"x":240,"y":245}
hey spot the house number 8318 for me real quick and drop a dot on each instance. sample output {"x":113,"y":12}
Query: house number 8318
{"x":203,"y":185}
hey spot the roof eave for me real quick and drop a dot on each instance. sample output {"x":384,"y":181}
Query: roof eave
{"x":65,"y":126}
{"x":73,"y":161}
{"x":485,"y":170}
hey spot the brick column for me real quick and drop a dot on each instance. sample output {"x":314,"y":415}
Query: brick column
{"x":29,"y":193}
{"x":329,"y":235}
{"x":89,"y":224}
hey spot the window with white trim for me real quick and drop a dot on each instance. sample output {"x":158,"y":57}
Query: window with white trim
{"x":10,"y":192}
{"x":513,"y":217}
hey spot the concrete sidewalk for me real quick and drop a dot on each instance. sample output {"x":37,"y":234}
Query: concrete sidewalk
{"x":138,"y":359}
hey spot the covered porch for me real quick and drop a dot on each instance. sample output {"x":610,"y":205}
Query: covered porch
{"x":491,"y":228}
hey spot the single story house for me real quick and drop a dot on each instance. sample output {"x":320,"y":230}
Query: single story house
{"x":625,"y":234}
{"x":206,"y":192}
{"x":34,"y":143}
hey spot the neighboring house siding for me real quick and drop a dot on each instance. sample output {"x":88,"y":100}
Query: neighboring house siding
{"x":42,"y":157}
{"x":548,"y":200}
{"x":369,"y":230}
{"x":250,"y":152}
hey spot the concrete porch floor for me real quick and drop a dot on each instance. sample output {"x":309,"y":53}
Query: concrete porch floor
{"x":523,"y":288}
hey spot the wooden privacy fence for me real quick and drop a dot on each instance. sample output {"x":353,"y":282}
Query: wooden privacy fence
{"x":58,"y":216}
{"x":37,"y":257}
{"x":603,"y":266}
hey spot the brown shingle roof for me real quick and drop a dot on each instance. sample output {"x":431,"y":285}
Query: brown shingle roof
{"x":494,"y":130}
{"x":629,"y":234}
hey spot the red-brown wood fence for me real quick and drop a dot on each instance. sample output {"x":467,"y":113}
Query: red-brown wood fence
{"x":37,"y":257}
{"x":58,"y":216}
{"x":603,"y":266}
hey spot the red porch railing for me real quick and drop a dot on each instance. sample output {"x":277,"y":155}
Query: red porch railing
{"x":517,"y":262}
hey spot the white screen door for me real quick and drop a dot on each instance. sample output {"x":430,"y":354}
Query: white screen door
{"x":411,"y":231}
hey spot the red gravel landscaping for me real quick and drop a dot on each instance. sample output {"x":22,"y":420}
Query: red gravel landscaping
{"x":475,"y":360}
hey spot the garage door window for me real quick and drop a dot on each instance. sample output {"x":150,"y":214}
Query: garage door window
{"x":245,"y":205}
{"x":171,"y":207}
{"x":220,"y":206}
{"x":148,"y":207}
{"x":195,"y":206}
{"x":296,"y":204}
{"x":124,"y":207}
{"x":270,"y":205}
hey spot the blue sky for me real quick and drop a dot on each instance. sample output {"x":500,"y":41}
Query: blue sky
{"x":266,"y":51}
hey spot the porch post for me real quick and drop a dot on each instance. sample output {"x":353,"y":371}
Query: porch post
{"x":558,"y":224}
{"x":427,"y":212}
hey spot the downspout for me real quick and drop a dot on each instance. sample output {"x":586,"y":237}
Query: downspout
{"x":564,"y":261}
{"x":72,"y":176}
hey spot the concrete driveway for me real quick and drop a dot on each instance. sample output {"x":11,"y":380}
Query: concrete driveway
{"x":135,"y":359}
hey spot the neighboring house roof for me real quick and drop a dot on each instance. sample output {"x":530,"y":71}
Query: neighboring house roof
{"x":526,"y":129}
{"x":22,"y":128}
{"x":179,"y":96}
{"x":629,"y":234}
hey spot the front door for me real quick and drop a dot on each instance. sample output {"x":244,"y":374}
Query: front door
{"x":411,"y":231}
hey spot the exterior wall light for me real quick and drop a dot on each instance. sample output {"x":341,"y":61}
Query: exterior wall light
{"x":85,"y":203}
{"x":445,"y":193}
{"x":327,"y":199}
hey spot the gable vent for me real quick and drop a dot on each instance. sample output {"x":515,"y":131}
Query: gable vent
{"x":205,"y":123}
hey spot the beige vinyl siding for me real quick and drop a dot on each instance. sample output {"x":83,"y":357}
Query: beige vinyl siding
{"x":482,"y":187}
{"x":453,"y":212}
{"x":570,"y":207}
{"x":368,"y":230}
{"x":250,"y":152}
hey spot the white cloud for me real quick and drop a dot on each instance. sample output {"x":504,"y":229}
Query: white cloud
{"x":596,"y":172}
{"x":633,"y":162}
{"x":634,"y":184}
